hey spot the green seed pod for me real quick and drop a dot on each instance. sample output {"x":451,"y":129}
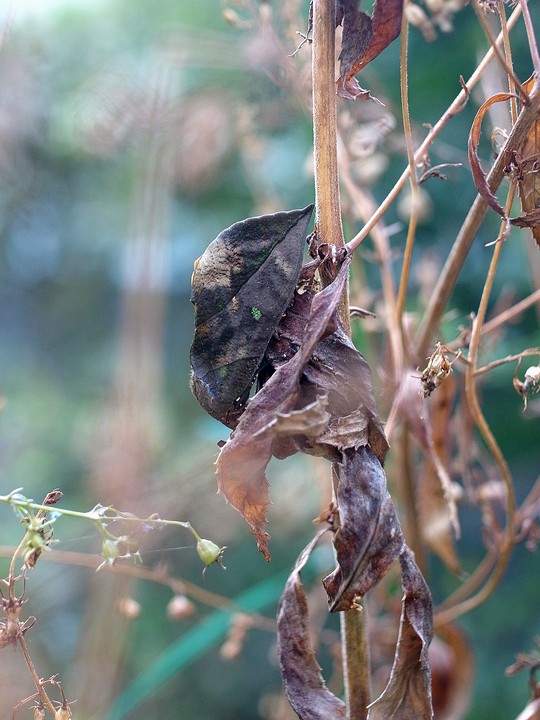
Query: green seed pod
{"x":241,"y":287}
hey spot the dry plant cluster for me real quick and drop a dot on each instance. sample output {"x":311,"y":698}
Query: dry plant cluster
{"x":314,"y":391}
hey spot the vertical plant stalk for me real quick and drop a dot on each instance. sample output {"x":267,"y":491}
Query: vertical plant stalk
{"x":355,"y":654}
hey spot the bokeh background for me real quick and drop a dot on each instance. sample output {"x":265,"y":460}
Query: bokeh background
{"x":131,"y":133}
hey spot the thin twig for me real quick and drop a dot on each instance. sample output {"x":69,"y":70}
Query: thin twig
{"x":470,"y":227}
{"x":505,"y":62}
{"x":531,"y":37}
{"x":413,"y":219}
{"x":453,"y":109}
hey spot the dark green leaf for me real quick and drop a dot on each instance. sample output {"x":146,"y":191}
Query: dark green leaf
{"x":241,"y":287}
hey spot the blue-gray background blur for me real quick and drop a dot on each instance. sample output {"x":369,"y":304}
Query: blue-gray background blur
{"x":131,"y":133}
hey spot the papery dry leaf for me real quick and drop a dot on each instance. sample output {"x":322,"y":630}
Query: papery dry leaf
{"x":338,"y":367}
{"x":369,"y":538}
{"x":243,"y":459}
{"x":302,"y":679}
{"x":407,"y":695}
{"x":364,"y":38}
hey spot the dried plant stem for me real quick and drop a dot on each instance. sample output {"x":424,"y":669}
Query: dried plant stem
{"x":530,"y":35}
{"x":329,"y":229}
{"x":365,"y":205}
{"x":475,"y":409}
{"x":508,"y":359}
{"x":470,"y":227}
{"x":453,"y":109}
{"x":35,"y":677}
{"x":413,"y":219}
{"x":504,"y":61}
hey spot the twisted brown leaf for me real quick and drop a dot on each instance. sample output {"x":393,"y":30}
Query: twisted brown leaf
{"x":407,"y":695}
{"x":243,"y":459}
{"x":369,"y":538}
{"x":302,"y":679}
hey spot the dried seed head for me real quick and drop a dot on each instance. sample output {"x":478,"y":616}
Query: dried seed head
{"x":438,"y":368}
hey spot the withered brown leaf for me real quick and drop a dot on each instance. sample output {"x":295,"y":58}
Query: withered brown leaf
{"x":243,"y":459}
{"x":479,"y":176}
{"x":407,"y":695}
{"x":364,"y":38}
{"x":369,"y":538}
{"x":302,"y":679}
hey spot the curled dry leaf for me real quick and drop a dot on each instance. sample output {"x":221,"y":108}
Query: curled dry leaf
{"x":521,"y":164}
{"x":243,"y":459}
{"x":407,"y":695}
{"x":302,"y":678}
{"x":369,"y":538}
{"x":364,"y":38}
{"x":479,"y":176}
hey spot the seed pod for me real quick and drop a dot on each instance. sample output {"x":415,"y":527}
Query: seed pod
{"x":241,"y":286}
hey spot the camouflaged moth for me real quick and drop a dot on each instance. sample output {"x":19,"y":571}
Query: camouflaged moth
{"x":241,"y":286}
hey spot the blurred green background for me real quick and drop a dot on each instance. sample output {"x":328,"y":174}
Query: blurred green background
{"x":131,"y":133}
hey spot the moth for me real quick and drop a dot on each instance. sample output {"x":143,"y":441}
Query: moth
{"x":241,"y":287}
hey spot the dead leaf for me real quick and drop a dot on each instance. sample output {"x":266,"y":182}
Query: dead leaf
{"x":407,"y":695}
{"x":338,"y":367}
{"x":302,"y":678}
{"x":241,"y":287}
{"x":243,"y":459}
{"x":369,"y":538}
{"x":479,"y":176}
{"x":364,"y":38}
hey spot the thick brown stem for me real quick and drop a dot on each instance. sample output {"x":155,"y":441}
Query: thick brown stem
{"x":329,"y":230}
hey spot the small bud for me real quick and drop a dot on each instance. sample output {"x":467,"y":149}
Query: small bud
{"x":180,"y":607}
{"x":110,"y":549}
{"x":129,"y":608}
{"x":210,"y":553}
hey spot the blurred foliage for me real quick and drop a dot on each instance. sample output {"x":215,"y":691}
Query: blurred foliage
{"x":131,"y":133}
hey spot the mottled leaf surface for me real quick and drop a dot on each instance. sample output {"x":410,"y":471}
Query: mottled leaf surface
{"x":241,"y":287}
{"x":369,"y":538}
{"x":407,"y":695}
{"x":301,"y":673}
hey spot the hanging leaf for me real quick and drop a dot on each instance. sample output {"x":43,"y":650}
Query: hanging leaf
{"x":407,"y":695}
{"x":364,"y":38}
{"x":241,"y":287}
{"x":479,"y":176}
{"x":369,"y":538}
{"x":302,"y":679}
{"x":243,"y":459}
